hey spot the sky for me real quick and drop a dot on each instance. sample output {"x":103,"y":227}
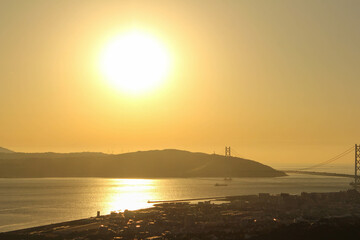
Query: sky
{"x":278,"y":81}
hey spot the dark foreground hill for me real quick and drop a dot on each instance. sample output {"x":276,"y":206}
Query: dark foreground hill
{"x":147,"y":164}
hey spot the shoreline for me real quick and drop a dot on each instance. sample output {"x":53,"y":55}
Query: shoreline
{"x":42,"y":210}
{"x":241,"y":215}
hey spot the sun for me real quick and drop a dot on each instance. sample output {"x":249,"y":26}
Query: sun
{"x":135,"y":62}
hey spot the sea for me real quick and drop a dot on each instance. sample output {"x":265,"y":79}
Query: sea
{"x":29,"y":202}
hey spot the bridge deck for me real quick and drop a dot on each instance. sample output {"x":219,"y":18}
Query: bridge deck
{"x":321,"y":173}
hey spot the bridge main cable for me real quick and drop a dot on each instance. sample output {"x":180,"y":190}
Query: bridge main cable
{"x":330,"y":160}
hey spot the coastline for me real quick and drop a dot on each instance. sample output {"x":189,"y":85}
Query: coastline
{"x":246,"y":216}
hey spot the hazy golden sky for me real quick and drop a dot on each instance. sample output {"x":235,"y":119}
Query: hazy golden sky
{"x":276,"y":80}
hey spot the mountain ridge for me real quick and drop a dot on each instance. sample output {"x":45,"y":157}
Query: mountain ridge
{"x":141,"y":164}
{"x":5,"y":150}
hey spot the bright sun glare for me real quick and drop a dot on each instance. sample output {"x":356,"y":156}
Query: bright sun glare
{"x":135,"y":62}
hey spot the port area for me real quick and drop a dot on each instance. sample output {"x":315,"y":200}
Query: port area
{"x":334,"y":215}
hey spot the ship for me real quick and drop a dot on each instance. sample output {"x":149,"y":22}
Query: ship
{"x":220,"y":184}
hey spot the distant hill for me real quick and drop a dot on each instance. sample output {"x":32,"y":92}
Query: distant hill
{"x":4,"y":150}
{"x":145,"y":164}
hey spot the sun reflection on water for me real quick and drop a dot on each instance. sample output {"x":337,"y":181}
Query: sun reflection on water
{"x":131,"y":194}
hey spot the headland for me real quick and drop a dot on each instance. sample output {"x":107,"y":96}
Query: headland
{"x":169,"y":163}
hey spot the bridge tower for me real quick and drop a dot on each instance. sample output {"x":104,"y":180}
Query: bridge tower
{"x":357,"y":166}
{"x":227,"y":152}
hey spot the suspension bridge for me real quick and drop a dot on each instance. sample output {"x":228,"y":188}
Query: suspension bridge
{"x":324,"y":163}
{"x":355,"y":150}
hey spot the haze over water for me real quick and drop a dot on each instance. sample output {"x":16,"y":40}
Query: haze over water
{"x":33,"y":202}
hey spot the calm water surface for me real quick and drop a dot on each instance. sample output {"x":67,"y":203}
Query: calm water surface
{"x":32,"y":202}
